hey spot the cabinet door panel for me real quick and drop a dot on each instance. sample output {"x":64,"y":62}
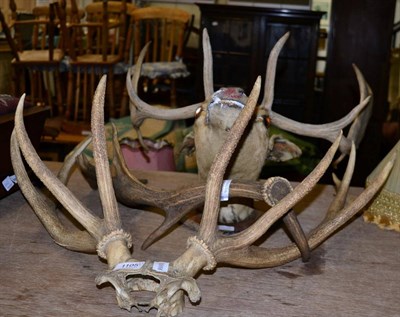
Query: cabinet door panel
{"x":230,"y":34}
{"x":299,"y":44}
{"x":231,"y":70}
{"x":242,"y":38}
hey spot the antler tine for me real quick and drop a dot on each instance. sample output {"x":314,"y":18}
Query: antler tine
{"x":90,"y":222}
{"x":140,"y":110}
{"x":357,"y":129}
{"x":103,"y":175}
{"x":328,"y":131}
{"x":70,"y":160}
{"x":269,"y":84}
{"x":343,"y":189}
{"x":208,"y":78}
{"x":45,"y":210}
{"x":215,"y":176}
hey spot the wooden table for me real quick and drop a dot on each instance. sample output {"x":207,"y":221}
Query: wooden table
{"x":355,"y":273}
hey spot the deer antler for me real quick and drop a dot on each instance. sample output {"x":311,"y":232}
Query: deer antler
{"x":44,"y":208}
{"x":141,"y":110}
{"x":106,"y":234}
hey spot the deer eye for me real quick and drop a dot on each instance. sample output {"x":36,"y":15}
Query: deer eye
{"x":267,"y":121}
{"x":198,"y":112}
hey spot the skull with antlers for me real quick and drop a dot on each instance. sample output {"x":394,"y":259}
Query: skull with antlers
{"x":215,"y":117}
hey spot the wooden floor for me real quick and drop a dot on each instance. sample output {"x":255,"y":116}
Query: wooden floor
{"x":355,"y":273}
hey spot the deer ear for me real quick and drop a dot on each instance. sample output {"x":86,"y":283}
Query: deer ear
{"x":281,"y":149}
{"x":188,"y":146}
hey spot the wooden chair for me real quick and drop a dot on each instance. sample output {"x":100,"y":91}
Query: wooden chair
{"x":96,"y":48}
{"x":94,"y":11}
{"x":166,"y":29}
{"x":35,"y":54}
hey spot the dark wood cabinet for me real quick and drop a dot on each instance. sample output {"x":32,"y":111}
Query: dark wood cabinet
{"x":242,"y":38}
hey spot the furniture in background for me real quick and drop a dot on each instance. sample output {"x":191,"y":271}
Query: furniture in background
{"x":35,"y":54}
{"x":241,"y":40}
{"x":166,"y":29}
{"x":96,"y":46}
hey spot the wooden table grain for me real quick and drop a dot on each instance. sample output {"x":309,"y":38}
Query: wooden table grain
{"x":355,"y":273}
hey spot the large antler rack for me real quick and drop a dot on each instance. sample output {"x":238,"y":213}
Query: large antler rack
{"x":207,"y":248}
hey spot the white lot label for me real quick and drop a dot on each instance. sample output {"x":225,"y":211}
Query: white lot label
{"x":129,"y":266}
{"x":225,"y":190}
{"x":9,"y":182}
{"x":160,"y":266}
{"x":226,"y":228}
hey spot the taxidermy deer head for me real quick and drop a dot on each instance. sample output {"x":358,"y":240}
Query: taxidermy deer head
{"x":214,"y":119}
{"x":207,"y":247}
{"x":217,"y":113}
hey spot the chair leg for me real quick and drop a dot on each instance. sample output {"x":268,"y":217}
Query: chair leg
{"x":33,"y":84}
{"x":68,"y":112}
{"x":110,"y":89}
{"x":124,"y":108}
{"x":77,"y":94}
{"x":17,"y":76}
{"x":46,"y":89}
{"x":93,"y":84}
{"x":59,"y":92}
{"x":85,"y":97}
{"x":173,"y":93}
